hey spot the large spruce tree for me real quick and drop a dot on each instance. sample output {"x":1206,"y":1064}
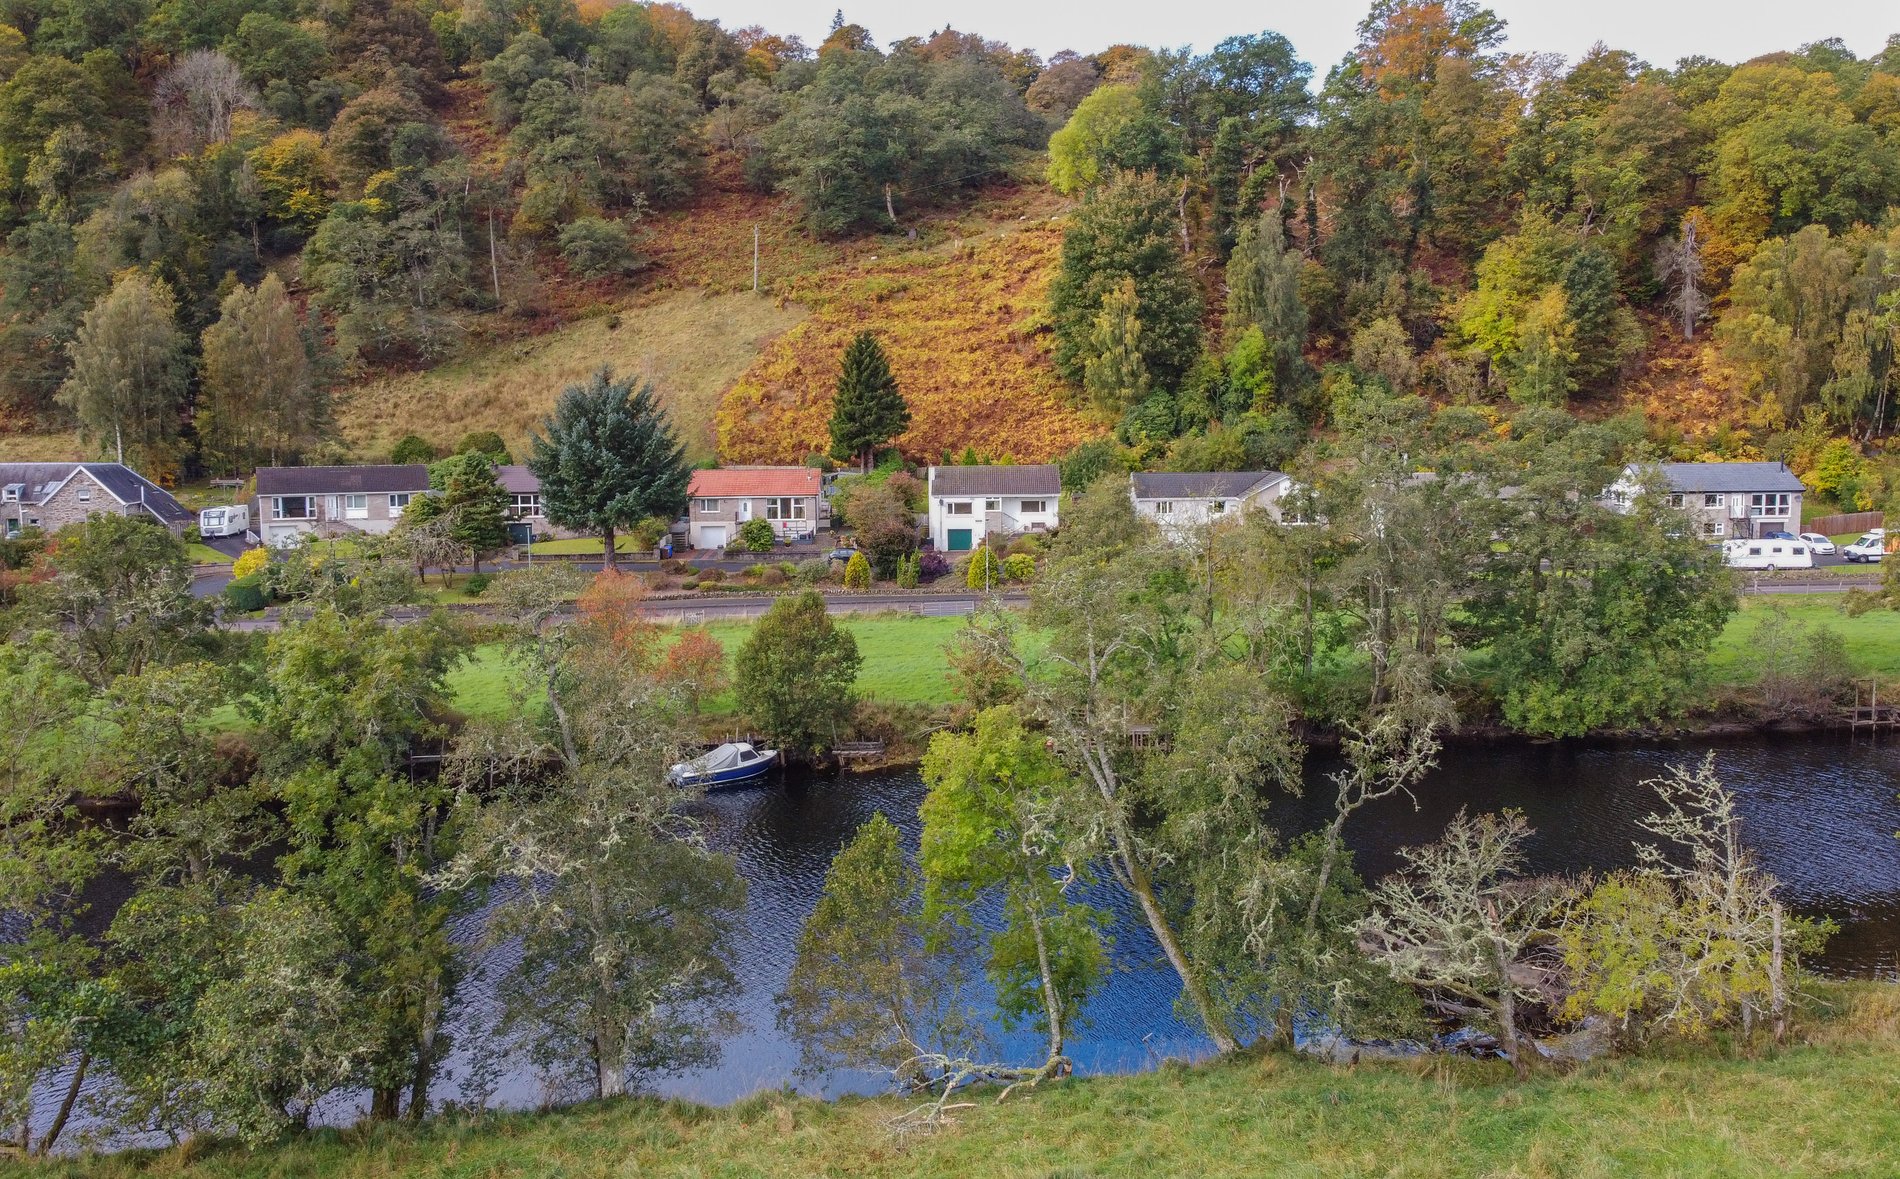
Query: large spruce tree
{"x":609,"y":459}
{"x":869,"y":411}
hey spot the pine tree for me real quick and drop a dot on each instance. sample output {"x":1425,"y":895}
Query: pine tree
{"x":473,"y":500}
{"x":609,"y":459}
{"x":127,"y":385}
{"x":1114,"y":374}
{"x":869,"y":411}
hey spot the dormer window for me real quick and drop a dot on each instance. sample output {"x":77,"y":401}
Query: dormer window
{"x":11,"y":493}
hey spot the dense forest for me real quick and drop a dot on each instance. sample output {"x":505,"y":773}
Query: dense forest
{"x":217,"y":212}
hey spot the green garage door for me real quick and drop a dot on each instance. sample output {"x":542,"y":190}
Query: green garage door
{"x":959,"y":539}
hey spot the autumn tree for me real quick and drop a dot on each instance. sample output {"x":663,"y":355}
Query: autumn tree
{"x":868,"y":410}
{"x":1263,"y":291}
{"x":127,"y":383}
{"x":1114,"y":375}
{"x":608,"y":460}
{"x":261,"y":401}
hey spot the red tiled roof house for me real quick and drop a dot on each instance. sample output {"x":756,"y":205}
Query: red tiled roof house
{"x":791,"y":499}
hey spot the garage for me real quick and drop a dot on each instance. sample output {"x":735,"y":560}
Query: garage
{"x":712,"y":536}
{"x":958,"y":539}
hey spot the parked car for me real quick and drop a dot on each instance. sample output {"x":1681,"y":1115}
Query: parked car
{"x":1870,"y":547}
{"x":1822,"y":546}
{"x":1779,"y":536}
{"x":1767,"y":555}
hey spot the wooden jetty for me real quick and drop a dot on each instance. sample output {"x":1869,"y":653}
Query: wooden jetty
{"x":1869,"y":711}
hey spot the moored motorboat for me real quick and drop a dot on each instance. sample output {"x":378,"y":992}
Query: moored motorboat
{"x":730,"y":764}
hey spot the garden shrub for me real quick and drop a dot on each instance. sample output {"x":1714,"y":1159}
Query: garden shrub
{"x":931,"y":565}
{"x":711,"y":575}
{"x":772,"y":577}
{"x":477,"y":583}
{"x":814,"y":571}
{"x":983,"y":571}
{"x":250,"y":561}
{"x":246,"y":593}
{"x":1019,"y":567}
{"x":756,"y":536}
{"x":857,"y":572}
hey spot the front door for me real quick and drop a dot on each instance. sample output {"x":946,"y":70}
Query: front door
{"x":959,"y":540}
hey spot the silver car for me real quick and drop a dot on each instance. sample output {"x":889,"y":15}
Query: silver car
{"x":1822,"y":546}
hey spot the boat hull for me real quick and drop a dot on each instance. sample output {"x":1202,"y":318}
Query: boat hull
{"x":736,"y":776}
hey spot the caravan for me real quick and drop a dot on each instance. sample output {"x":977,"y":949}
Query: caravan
{"x":1768,"y":554}
{"x":232,"y":520}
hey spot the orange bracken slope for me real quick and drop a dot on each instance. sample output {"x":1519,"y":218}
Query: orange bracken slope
{"x":966,"y":329}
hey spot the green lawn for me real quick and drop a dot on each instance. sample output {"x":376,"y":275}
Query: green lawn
{"x":1819,"y":1106}
{"x":1873,"y":639}
{"x":903,"y":663}
{"x":580,"y":544}
{"x":204,"y":554}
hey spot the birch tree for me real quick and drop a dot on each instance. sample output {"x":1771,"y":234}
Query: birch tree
{"x":127,"y":381}
{"x":1459,"y":919}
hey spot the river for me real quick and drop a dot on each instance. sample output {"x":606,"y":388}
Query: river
{"x":1821,"y":814}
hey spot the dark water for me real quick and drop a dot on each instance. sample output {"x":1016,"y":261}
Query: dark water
{"x":1821,"y":815}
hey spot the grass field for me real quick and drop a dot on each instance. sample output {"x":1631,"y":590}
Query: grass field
{"x":1818,"y":1107}
{"x":690,"y":345}
{"x":903,"y":664}
{"x":1873,"y":639}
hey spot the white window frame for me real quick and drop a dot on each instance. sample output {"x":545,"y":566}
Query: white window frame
{"x":959,"y":507}
{"x":706,"y":506}
{"x":1712,"y":499}
{"x":1675,"y":499}
{"x":85,"y":493}
{"x":525,"y":504}
{"x":10,"y":495}
{"x":356,"y":507}
{"x":1164,"y":507}
{"x":1769,"y":504}
{"x":398,"y":500}
{"x":1216,"y":507}
{"x":1713,"y":528}
{"x":1033,"y":507}
{"x":785,"y":507}
{"x":277,"y":507}
{"x":992,"y":504}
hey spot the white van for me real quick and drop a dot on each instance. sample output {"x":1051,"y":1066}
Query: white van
{"x":226,"y":521}
{"x":1870,"y":547}
{"x":1768,"y":554}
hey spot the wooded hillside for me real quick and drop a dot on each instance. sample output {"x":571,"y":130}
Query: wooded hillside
{"x":231,"y":226}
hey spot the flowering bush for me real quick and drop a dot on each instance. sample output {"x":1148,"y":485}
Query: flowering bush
{"x":250,"y":561}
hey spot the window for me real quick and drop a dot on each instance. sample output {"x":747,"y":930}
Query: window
{"x":525,"y":504}
{"x":959,"y":507}
{"x":85,"y":494}
{"x":1770,"y":503}
{"x":785,"y":507}
{"x":398,"y":501}
{"x":291,"y":507}
{"x":992,"y":505}
{"x":1754,"y":550}
{"x":1712,"y":500}
{"x":11,"y":493}
{"x":1712,"y":528}
{"x":1217,"y":507}
{"x":1164,"y":507}
{"x":706,"y":506}
{"x":1034,"y":507}
{"x":1675,"y":500}
{"x":356,"y":507}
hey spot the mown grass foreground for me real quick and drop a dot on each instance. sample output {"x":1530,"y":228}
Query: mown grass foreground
{"x":1824,"y":1105}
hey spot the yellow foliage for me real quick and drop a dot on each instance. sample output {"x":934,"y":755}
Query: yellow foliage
{"x":250,"y":561}
{"x":962,"y":326}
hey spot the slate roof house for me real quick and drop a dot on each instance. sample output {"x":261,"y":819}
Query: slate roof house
{"x":1723,"y":500}
{"x":333,"y":501}
{"x":1180,"y":502}
{"x":968,"y":504}
{"x":791,"y":499}
{"x":50,"y":496}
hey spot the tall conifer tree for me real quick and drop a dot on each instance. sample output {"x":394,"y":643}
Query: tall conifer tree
{"x":609,"y":459}
{"x":869,"y":411}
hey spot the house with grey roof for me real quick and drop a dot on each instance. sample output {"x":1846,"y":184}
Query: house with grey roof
{"x":970,"y":504}
{"x":1724,"y":501}
{"x":334,"y":501}
{"x":1181,"y":502}
{"x":50,"y":496}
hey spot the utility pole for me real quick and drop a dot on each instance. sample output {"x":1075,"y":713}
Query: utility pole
{"x":755,"y":257}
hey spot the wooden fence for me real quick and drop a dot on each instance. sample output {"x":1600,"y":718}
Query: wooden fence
{"x":1844,"y":523}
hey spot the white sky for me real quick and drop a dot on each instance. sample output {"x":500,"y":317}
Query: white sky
{"x":1659,"y":31}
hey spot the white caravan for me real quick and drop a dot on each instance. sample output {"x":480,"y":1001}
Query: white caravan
{"x":231,"y":520}
{"x":1768,"y":554}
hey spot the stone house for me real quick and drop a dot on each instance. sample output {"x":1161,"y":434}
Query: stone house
{"x":723,"y":499}
{"x":334,"y":501}
{"x":50,"y":496}
{"x":968,"y":504}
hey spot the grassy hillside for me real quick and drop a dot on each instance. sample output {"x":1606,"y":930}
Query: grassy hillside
{"x":964,"y":326}
{"x":690,"y":345}
{"x":1820,"y":1107}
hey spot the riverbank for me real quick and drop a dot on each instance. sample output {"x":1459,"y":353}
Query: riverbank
{"x":1818,"y":1106}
